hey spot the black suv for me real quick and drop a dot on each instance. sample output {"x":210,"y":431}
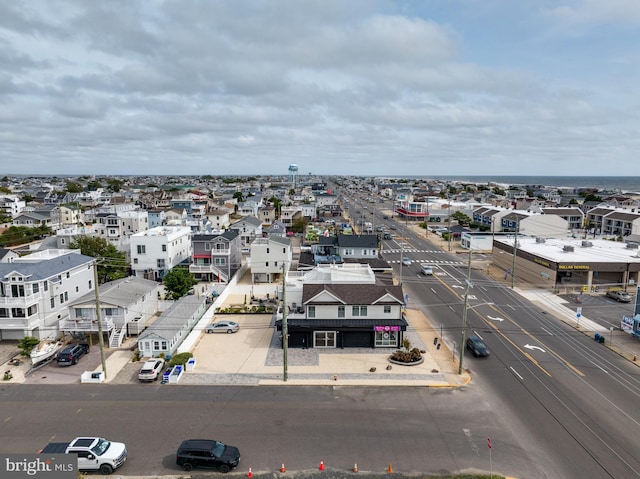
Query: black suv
{"x":70,"y":354}
{"x":207,"y":453}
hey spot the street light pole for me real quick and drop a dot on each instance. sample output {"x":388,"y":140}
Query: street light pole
{"x":464,"y":314}
{"x":515,"y":252}
{"x":285,"y":332}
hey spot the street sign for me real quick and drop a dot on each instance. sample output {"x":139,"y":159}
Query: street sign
{"x":579,"y":311}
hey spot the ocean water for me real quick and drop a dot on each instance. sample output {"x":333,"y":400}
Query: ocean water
{"x":622,"y":184}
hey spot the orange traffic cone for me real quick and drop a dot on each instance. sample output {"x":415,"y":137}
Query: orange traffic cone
{"x":390,"y":469}
{"x":282,"y":468}
{"x":322,"y":465}
{"x":250,"y":474}
{"x":355,"y":467}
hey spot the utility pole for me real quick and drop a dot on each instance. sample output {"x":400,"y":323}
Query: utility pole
{"x":285,"y":332}
{"x":99,"y":319}
{"x":515,"y":252}
{"x":449,"y":218}
{"x":464,"y":314}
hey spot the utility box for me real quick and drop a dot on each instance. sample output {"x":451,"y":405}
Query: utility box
{"x":135,"y":326}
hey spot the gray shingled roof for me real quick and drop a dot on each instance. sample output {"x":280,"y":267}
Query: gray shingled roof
{"x":358,"y":241}
{"x":46,"y":268}
{"x":354,"y":293}
{"x":122,"y":292}
{"x":173,"y":319}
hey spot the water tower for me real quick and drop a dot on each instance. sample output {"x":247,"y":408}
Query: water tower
{"x":293,"y":175}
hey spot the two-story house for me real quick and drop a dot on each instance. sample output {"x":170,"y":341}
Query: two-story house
{"x":342,"y":306}
{"x":36,"y":289}
{"x":125,"y":307}
{"x":154,"y":252}
{"x":267,"y":215}
{"x":341,"y":247}
{"x":249,"y":228}
{"x":268,"y":258}
{"x":11,"y":205}
{"x":217,"y":256}
{"x":70,"y":215}
{"x":219,"y":218}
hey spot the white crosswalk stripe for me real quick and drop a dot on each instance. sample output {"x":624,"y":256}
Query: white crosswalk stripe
{"x":432,"y":261}
{"x":411,"y":251}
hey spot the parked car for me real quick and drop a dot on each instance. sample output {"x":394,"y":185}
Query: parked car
{"x":406,"y":261}
{"x":72,"y":353}
{"x":151,"y":369}
{"x":426,"y":269}
{"x":477,"y":346}
{"x":223,"y":327}
{"x":619,"y":295}
{"x":207,"y":453}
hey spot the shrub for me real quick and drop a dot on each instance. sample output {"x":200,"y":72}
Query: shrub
{"x":407,"y":356}
{"x":181,"y":359}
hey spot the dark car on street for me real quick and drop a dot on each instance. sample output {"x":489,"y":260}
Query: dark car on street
{"x":477,"y":347}
{"x":208,"y":453}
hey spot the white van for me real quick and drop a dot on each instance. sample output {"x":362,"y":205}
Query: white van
{"x":426,"y":269}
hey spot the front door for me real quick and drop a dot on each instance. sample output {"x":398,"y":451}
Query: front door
{"x":324,"y":339}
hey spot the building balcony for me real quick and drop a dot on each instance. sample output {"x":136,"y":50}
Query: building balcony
{"x":86,"y":325}
{"x":19,"y":301}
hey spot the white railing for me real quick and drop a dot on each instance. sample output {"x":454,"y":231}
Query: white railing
{"x":18,"y":301}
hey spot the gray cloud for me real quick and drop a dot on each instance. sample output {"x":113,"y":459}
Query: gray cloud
{"x":124,"y":87}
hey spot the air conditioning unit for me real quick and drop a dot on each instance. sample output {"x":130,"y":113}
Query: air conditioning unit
{"x":567,"y":248}
{"x":540,"y":240}
{"x":587,"y":244}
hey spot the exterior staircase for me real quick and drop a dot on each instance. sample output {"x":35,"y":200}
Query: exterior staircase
{"x":116,"y":338}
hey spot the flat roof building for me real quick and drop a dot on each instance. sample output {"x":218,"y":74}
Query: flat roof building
{"x":568,"y":263}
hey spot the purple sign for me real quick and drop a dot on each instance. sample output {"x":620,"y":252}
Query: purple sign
{"x":386,"y":328}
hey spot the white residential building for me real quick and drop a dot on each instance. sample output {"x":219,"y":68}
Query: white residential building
{"x":35,"y":290}
{"x":154,"y":252}
{"x":11,"y":205}
{"x":133,"y":222}
{"x":268,"y":256}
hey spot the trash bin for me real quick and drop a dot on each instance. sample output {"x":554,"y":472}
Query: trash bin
{"x":601,"y":339}
{"x":597,"y":337}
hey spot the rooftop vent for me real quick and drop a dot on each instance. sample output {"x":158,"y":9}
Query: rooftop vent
{"x":540,"y":240}
{"x":567,"y":248}
{"x":632,"y":245}
{"x":587,"y":244}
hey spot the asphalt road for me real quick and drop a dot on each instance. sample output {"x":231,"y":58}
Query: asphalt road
{"x":413,"y":429}
{"x":572,"y":400}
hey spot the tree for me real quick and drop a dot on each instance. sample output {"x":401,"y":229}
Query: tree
{"x":277,"y":204}
{"x":178,"y":281}
{"x":15,"y":235}
{"x":239,"y":196}
{"x":112,"y":263}
{"x":114,"y":184}
{"x":299,"y":225}
{"x":26,"y":344}
{"x":73,"y":187}
{"x":592,"y":197}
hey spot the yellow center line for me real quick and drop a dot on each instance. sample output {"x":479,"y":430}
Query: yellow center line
{"x":533,"y":338}
{"x":524,"y":353}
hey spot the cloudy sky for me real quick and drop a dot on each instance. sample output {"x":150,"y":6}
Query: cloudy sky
{"x":357,"y":87}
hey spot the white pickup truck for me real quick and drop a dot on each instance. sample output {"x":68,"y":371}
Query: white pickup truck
{"x":94,"y":453}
